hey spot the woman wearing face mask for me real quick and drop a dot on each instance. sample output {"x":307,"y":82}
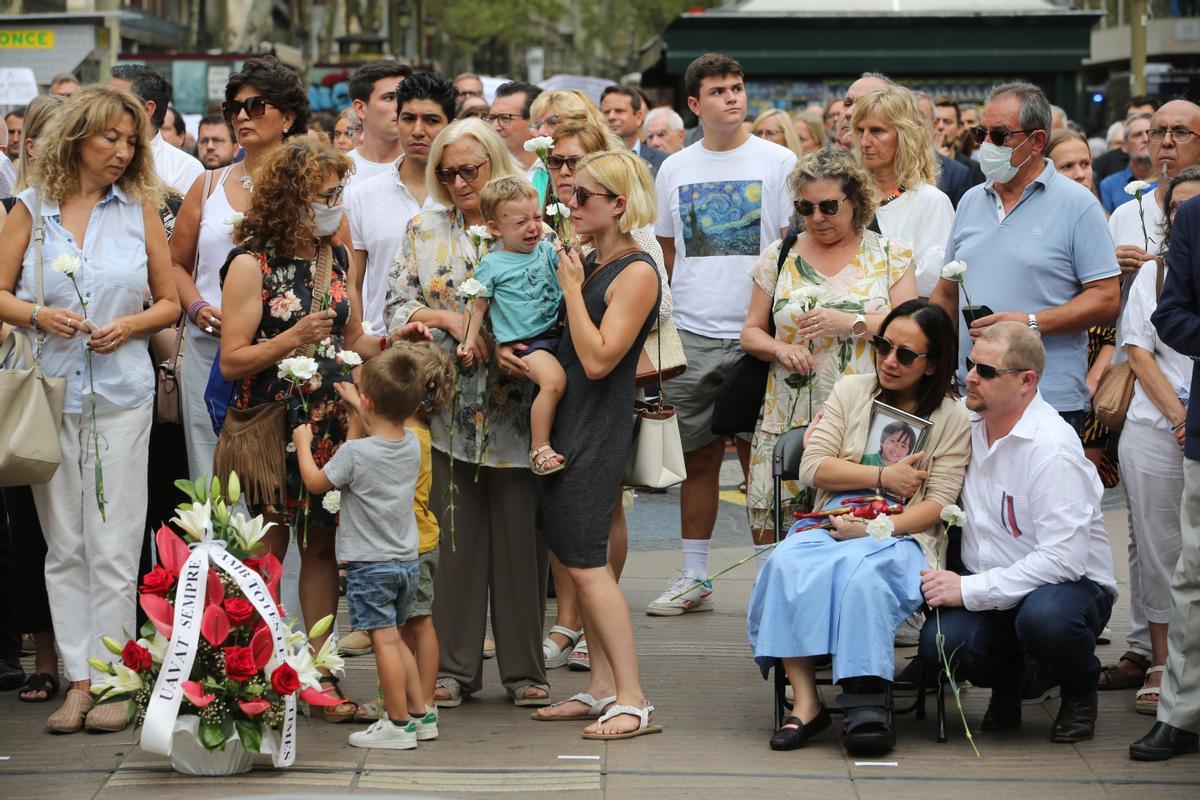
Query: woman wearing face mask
{"x":267,"y":305}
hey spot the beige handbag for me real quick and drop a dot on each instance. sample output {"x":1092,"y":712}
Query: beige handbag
{"x":1114,"y":391}
{"x":32,"y":401}
{"x":656,"y":461}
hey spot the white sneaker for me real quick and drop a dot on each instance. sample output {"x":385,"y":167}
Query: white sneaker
{"x":427,"y":725}
{"x":384,"y":735}
{"x":909,"y":632}
{"x":694,"y":594}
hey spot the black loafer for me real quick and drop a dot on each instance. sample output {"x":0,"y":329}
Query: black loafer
{"x":794,"y":733}
{"x":1162,"y":742}
{"x":1076,"y":720}
{"x":1001,"y":716}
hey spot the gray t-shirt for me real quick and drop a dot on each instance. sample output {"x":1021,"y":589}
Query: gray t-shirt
{"x":378,"y":478}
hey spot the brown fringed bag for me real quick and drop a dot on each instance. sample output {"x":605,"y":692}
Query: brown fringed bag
{"x":252,"y":440}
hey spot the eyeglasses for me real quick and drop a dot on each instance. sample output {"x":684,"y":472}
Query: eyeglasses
{"x":987,"y":372}
{"x":254,"y":107}
{"x":905,"y":356}
{"x":997,"y":135}
{"x":349,"y":133}
{"x":581,"y":195}
{"x":552,"y":120}
{"x":332,"y":197}
{"x":828,"y":207}
{"x":556,"y":163}
{"x":1179,"y":134}
{"x":502,"y":120}
{"x":468,"y":172}
{"x":766,"y":133}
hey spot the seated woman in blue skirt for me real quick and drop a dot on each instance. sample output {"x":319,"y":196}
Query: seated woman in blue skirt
{"x":839,"y":591}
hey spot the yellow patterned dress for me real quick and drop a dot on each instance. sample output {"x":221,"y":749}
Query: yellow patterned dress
{"x":861,"y":287}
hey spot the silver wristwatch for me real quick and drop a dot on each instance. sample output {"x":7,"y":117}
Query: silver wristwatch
{"x":1033,"y":322}
{"x":33,"y":318}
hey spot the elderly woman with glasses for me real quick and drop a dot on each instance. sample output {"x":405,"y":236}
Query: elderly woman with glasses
{"x":347,"y":131}
{"x":818,"y":299}
{"x":840,"y":591}
{"x":480,"y":445}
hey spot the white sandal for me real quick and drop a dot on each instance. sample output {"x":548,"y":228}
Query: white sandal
{"x":554,"y":655}
{"x":581,"y":659}
{"x":1148,"y":706}
{"x":644,"y":725}
{"x":595,"y":708}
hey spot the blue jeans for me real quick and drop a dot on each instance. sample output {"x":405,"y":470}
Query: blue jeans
{"x":1055,"y":627}
{"x":379,"y":594}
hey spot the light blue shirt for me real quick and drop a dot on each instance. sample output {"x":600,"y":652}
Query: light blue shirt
{"x":524,"y":291}
{"x":1112,"y":189}
{"x":112,"y":279}
{"x":1038,"y":256}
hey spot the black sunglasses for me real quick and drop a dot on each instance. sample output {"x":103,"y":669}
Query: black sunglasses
{"x":556,"y":163}
{"x":827,"y":207}
{"x":998,"y":135}
{"x":468,"y":172}
{"x":581,"y":195}
{"x":905,"y":356}
{"x":255,"y":107}
{"x":987,"y":371}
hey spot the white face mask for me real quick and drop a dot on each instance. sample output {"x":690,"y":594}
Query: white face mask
{"x":326,"y":218}
{"x":996,"y":161}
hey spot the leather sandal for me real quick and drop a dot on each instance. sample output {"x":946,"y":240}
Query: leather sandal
{"x":595,"y":708}
{"x":644,"y":725}
{"x":540,"y":460}
{"x":42,"y":682}
{"x":72,"y":713}
{"x":523,"y":699}
{"x":1112,"y":677}
{"x":1142,"y":703}
{"x":331,"y":713}
{"x":453,"y":690}
{"x":554,"y":655}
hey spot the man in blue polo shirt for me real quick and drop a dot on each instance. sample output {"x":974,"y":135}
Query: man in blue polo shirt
{"x":1036,"y":245}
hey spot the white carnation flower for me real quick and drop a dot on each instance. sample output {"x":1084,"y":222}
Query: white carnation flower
{"x":954,"y":271}
{"x":297,"y":368}
{"x":369,"y":329}
{"x":881,"y":528}
{"x":539,"y":143}
{"x":952,"y":515}
{"x":237,"y":218}
{"x":558,"y":209}
{"x":332,"y":501}
{"x":479,"y":232}
{"x":67,"y":264}
{"x":1135,"y":188}
{"x":470,"y":288}
{"x":348,"y":358}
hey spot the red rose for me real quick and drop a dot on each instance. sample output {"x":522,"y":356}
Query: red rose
{"x":254,"y":564}
{"x":240,"y":611}
{"x":136,"y":657}
{"x":157,"y":581}
{"x":285,"y":680}
{"x":239,"y":663}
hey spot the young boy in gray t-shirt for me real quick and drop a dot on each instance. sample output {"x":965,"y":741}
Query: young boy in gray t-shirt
{"x":376,"y":470}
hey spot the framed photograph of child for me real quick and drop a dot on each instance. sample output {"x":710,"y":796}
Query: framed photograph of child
{"x":894,"y":435}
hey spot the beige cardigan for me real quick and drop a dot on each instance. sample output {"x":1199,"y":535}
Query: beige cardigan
{"x":842,"y":433}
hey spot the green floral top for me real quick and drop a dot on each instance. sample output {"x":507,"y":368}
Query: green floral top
{"x":861,"y":287}
{"x":491,"y":415}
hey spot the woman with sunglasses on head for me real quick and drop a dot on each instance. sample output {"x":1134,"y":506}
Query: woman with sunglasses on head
{"x":841,"y":592}
{"x":266,"y":103}
{"x":892,"y":140}
{"x":490,"y":546}
{"x":574,"y":141}
{"x":826,"y":292}
{"x":268,"y":283}
{"x":347,"y":131}
{"x":611,"y":297}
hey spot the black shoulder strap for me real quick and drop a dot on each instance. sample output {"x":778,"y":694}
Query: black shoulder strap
{"x":785,"y":247}
{"x":874,"y":226}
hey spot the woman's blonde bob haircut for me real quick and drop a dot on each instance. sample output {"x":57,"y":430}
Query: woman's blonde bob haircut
{"x":790,"y":138}
{"x":37,"y":114}
{"x":569,"y":104}
{"x":896,"y":107}
{"x":624,"y":174}
{"x":87,"y":113}
{"x":815,"y":125}
{"x":591,"y":137}
{"x":489,"y":144}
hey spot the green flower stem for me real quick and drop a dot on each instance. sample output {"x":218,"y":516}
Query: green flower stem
{"x":1142,"y":217}
{"x":96,"y":435}
{"x":940,"y":641}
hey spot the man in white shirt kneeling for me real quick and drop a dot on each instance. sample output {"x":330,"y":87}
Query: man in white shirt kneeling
{"x":1038,"y":583}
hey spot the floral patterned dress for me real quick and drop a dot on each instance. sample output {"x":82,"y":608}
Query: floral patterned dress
{"x":491,"y":415}
{"x":861,"y":287}
{"x":286,"y":299}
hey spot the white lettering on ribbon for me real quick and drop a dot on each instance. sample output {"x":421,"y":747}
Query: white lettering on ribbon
{"x":158,"y":729}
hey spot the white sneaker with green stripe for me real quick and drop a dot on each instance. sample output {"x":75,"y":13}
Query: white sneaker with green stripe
{"x":386,"y":735}
{"x":427,"y":725}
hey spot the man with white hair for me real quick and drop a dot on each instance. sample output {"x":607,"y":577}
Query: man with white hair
{"x":664,"y":130}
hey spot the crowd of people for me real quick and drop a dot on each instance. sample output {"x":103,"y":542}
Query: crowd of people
{"x":475,"y":283}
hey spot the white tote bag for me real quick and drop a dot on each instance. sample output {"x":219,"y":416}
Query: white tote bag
{"x":656,"y":461}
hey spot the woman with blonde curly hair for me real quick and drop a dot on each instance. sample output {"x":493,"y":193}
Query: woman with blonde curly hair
{"x":776,"y":126}
{"x":552,"y":108}
{"x":94,"y":195}
{"x":268,"y":285}
{"x":893,"y":141}
{"x":485,"y":445}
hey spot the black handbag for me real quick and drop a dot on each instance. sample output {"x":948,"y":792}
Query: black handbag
{"x":741,"y":396}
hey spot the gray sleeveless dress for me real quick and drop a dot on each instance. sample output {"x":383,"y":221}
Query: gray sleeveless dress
{"x":593,"y":428}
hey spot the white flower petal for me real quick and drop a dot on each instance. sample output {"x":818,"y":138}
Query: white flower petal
{"x":332,"y":501}
{"x":954,"y":271}
{"x":1134,"y":187}
{"x":881,"y":528}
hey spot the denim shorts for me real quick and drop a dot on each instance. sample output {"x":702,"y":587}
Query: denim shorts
{"x":380,"y":593}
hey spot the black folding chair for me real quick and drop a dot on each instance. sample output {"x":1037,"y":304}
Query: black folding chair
{"x":785,"y":466}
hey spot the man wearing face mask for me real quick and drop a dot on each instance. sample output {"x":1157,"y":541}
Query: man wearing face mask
{"x":1036,"y":246}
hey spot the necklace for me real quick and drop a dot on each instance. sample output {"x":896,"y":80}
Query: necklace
{"x":247,"y":182}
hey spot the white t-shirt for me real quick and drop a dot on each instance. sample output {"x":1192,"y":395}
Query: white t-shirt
{"x":1137,"y":330}
{"x":1125,"y":224}
{"x":722,"y":209}
{"x":379,"y":209}
{"x":175,"y":168}
{"x":922,"y":218}
{"x":364,"y":169}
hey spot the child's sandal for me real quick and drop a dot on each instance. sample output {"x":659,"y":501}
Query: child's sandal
{"x":538,"y":460}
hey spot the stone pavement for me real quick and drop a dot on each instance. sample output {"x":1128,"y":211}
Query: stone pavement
{"x":714,"y":706}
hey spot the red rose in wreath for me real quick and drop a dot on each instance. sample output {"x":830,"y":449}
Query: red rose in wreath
{"x":136,"y":657}
{"x":284,"y":679}
{"x":239,"y":610}
{"x":157,"y":581}
{"x":239,"y":663}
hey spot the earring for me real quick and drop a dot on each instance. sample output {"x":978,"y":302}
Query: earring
{"x":285,"y":130}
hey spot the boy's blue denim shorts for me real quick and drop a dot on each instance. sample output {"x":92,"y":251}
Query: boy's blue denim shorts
{"x":379,"y":594}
